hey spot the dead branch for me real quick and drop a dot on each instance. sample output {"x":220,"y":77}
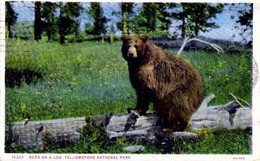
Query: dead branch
{"x":187,"y":40}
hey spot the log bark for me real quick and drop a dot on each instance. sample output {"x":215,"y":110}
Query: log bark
{"x":229,"y":116}
{"x":65,"y":132}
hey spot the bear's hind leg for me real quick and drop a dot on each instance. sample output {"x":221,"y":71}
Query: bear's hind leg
{"x":178,"y":124}
{"x":173,"y":122}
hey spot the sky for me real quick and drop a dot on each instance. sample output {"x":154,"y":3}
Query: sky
{"x":226,"y":30}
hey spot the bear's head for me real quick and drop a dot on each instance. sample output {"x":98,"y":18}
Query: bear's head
{"x":133,"y":47}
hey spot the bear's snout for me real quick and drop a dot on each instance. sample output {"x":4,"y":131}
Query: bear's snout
{"x":132,"y":52}
{"x":131,"y":55}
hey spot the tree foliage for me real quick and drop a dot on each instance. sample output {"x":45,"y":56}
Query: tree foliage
{"x":58,"y":17}
{"x":148,"y":16}
{"x":163,"y":15}
{"x":98,"y":26}
{"x":196,"y":17}
{"x":126,"y":11}
{"x":67,"y":22}
{"x":61,"y":18}
{"x":245,"y":19}
{"x":49,"y":20}
{"x":10,"y":17}
{"x":153,"y":16}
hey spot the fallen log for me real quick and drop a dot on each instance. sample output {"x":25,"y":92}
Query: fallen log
{"x":65,"y":132}
{"x":229,"y":116}
{"x":62,"y":131}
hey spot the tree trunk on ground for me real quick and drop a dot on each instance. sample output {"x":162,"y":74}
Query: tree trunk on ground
{"x":67,"y":131}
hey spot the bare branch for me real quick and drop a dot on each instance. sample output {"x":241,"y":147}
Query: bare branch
{"x":183,"y":45}
{"x":187,"y":40}
{"x":205,"y":102}
{"x":239,"y":100}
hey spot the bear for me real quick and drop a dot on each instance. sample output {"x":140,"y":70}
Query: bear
{"x":169,"y":82}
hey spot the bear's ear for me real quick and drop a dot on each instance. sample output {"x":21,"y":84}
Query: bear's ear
{"x":124,"y":37}
{"x":144,"y":38}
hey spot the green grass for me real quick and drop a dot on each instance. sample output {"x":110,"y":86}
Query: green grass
{"x":79,"y":79}
{"x":91,"y":78}
{"x":216,"y":141}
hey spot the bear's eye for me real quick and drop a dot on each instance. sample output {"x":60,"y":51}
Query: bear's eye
{"x":136,"y":46}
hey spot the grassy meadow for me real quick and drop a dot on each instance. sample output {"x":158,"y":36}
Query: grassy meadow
{"x":91,"y":78}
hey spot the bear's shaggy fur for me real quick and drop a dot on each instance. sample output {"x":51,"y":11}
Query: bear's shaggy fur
{"x":170,"y":82}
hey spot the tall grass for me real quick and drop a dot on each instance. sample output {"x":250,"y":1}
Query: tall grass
{"x":79,"y":79}
{"x":223,"y":73}
{"x":91,"y":78}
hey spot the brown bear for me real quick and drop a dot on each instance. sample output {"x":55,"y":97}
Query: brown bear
{"x":170,"y":82}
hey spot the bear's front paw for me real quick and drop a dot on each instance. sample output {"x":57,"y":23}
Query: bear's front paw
{"x":129,"y":110}
{"x":166,"y":130}
{"x":140,"y":111}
